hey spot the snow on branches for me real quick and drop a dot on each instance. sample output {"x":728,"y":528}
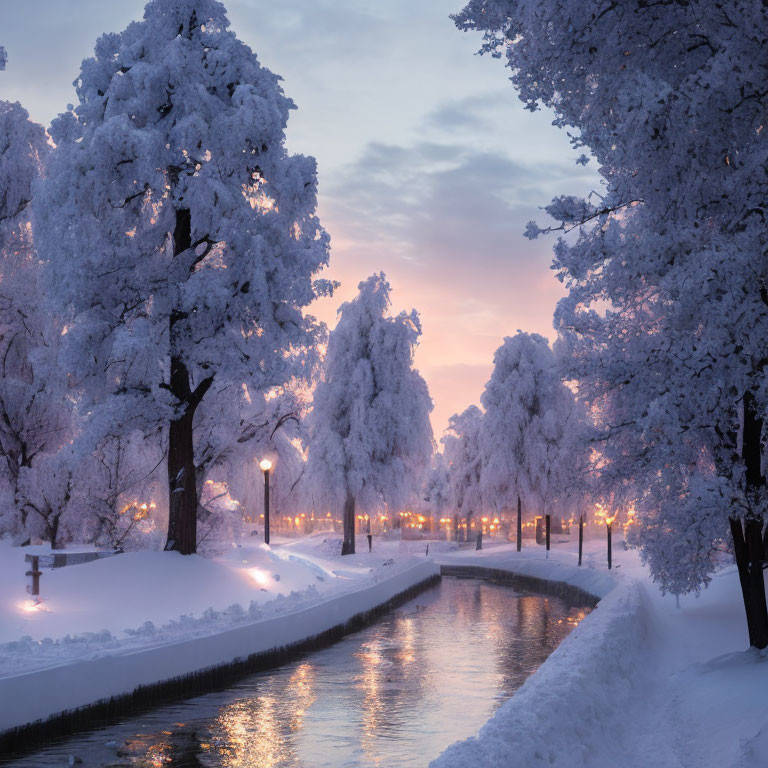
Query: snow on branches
{"x":179,"y":231}
{"x":34,"y":411}
{"x":529,"y":433}
{"x":463,"y":453}
{"x":667,"y":313}
{"x":371,"y":439}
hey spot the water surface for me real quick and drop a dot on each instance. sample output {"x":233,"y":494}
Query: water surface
{"x":393,"y":695}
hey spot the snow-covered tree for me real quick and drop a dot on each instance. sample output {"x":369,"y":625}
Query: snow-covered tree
{"x":115,"y":489}
{"x":462,"y":447}
{"x":34,"y":409}
{"x":527,"y":436}
{"x":667,"y":312}
{"x":437,"y":488}
{"x":271,"y":428}
{"x":46,"y":491}
{"x":179,"y":230}
{"x":371,"y":438}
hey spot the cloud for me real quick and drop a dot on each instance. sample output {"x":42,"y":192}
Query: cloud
{"x":455,"y":117}
{"x":429,"y":167}
{"x":445,"y":223}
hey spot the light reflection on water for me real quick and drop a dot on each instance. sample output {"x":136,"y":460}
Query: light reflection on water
{"x":393,"y":695}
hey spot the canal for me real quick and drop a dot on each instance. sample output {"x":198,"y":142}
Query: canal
{"x":393,"y":695}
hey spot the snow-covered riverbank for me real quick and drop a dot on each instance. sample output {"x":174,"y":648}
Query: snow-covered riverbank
{"x":252,"y":603}
{"x":639,"y":682}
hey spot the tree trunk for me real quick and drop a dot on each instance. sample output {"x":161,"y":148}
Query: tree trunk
{"x":581,"y":536}
{"x":182,"y":503}
{"x":348,"y":545}
{"x":519,"y":524}
{"x":548,"y":523}
{"x":748,"y":545}
{"x":52,"y":529}
{"x":182,"y":486}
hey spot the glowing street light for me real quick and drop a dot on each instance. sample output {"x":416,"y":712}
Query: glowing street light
{"x":266,"y":465}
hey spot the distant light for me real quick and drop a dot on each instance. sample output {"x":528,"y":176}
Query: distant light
{"x":265,"y":465}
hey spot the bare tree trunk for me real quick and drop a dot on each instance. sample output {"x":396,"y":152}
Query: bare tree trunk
{"x":182,"y":486}
{"x":52,"y":530}
{"x":519,"y":524}
{"x":748,"y":545}
{"x":348,"y":545}
{"x":182,"y":502}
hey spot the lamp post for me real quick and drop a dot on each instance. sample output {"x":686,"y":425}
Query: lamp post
{"x":266,"y":465}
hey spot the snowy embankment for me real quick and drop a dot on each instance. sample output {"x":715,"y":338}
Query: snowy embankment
{"x":257,"y":601}
{"x":641,"y":681}
{"x":533,"y":567}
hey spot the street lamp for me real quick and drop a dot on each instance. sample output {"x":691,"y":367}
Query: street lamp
{"x":266,"y":465}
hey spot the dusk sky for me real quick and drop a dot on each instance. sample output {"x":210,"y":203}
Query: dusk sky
{"x":429,"y":165}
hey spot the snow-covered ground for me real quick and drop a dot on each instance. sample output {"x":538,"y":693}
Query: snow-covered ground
{"x":640,"y":682}
{"x":163,"y":615}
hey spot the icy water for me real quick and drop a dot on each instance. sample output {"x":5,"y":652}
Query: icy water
{"x":394,"y":695}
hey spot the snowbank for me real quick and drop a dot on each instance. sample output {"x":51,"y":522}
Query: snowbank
{"x":550,"y":720}
{"x":643,"y":681}
{"x":45,"y":692}
{"x":531,"y":564}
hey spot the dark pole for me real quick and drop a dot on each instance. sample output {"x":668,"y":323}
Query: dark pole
{"x":519,"y":524}
{"x":35,"y":573}
{"x":548,"y":522}
{"x":266,"y":506}
{"x":581,"y":536}
{"x":608,"y":526}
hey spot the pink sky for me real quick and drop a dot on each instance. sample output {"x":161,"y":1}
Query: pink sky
{"x":429,"y":165}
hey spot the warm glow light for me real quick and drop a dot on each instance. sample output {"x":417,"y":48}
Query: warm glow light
{"x":259,"y":576}
{"x":29,"y":606}
{"x":265,"y":465}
